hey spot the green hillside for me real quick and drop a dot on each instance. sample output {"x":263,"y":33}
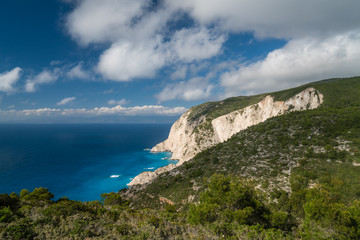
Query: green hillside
{"x":337,"y":93}
{"x":294,"y":176}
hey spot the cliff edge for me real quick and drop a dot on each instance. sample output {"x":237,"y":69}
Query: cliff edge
{"x":189,"y":136}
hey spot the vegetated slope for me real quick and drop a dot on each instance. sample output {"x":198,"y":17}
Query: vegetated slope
{"x":316,"y":146}
{"x":336,"y":90}
{"x":268,"y":151}
{"x":293,"y":177}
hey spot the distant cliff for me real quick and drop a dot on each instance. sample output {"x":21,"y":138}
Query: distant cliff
{"x":190,"y":135}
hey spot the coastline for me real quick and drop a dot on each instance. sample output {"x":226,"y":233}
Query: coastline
{"x":147,"y":176}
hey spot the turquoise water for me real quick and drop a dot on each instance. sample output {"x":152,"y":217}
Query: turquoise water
{"x":78,"y":161}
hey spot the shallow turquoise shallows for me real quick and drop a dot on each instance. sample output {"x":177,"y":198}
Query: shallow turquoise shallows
{"x":79,"y":161}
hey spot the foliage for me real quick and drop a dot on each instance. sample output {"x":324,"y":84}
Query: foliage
{"x":39,"y":194}
{"x":113,"y":199}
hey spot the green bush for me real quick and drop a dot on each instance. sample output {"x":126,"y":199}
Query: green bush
{"x":5,"y":214}
{"x":112,"y":199}
{"x":24,"y":193}
{"x":39,"y":194}
{"x":228,"y":202}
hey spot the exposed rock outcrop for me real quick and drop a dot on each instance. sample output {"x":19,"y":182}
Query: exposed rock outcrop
{"x":148,"y":176}
{"x":187,"y":138}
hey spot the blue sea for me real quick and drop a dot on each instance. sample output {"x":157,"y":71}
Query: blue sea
{"x":79,"y":161}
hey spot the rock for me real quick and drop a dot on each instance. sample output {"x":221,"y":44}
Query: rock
{"x":166,"y":201}
{"x":142,"y":178}
{"x":148,"y":176}
{"x":184,"y":142}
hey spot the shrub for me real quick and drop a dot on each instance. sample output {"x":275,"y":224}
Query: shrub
{"x":39,"y":194}
{"x":5,"y":214}
{"x":112,"y":199}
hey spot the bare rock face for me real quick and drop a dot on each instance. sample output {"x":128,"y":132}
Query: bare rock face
{"x":229,"y":124}
{"x":187,"y":138}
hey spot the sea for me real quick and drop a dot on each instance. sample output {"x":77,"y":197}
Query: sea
{"x":78,"y":161}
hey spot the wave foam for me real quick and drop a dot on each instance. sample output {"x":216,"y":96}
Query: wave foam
{"x":115,"y":176}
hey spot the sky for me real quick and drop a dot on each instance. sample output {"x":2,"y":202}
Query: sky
{"x":148,"y":61}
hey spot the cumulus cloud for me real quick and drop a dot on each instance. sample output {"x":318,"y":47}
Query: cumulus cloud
{"x":66,"y":101}
{"x":45,"y":77}
{"x":124,"y":61}
{"x":194,"y":89}
{"x":142,"y":40}
{"x":146,"y":110}
{"x":138,"y":37}
{"x":78,"y":72}
{"x":8,"y":80}
{"x":118,"y":102}
{"x":37,"y":112}
{"x":298,"y":62}
{"x":92,"y":22}
{"x":196,"y":44}
{"x":278,"y":18}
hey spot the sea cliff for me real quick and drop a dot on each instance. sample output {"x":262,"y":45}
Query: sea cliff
{"x":188,"y":137}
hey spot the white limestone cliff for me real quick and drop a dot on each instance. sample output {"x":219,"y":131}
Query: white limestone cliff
{"x":187,"y":138}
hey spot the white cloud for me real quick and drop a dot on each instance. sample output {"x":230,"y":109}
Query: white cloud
{"x":37,"y":112}
{"x":143,"y":40}
{"x":146,"y":110}
{"x":92,"y":22}
{"x":138,"y":37}
{"x":196,"y":44}
{"x":78,"y":72}
{"x":118,"y":102}
{"x":194,"y":89}
{"x":45,"y":77}
{"x":298,"y":62}
{"x":66,"y":101}
{"x":277,"y":18}
{"x":8,"y":79}
{"x":124,"y":61}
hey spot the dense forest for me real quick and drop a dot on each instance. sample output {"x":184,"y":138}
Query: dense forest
{"x":295,"y":176}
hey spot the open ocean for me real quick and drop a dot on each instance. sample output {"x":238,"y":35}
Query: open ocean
{"x":79,"y":161}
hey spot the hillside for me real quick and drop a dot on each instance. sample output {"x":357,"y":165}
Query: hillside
{"x":189,"y":136}
{"x":211,"y":123}
{"x":284,"y":156}
{"x":293,"y":176}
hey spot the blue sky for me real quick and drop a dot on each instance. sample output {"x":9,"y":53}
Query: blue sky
{"x":149,"y":61}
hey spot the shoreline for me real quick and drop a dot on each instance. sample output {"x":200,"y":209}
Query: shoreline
{"x":148,"y":176}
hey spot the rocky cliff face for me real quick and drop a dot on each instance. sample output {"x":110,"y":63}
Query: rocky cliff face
{"x":187,"y":138}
